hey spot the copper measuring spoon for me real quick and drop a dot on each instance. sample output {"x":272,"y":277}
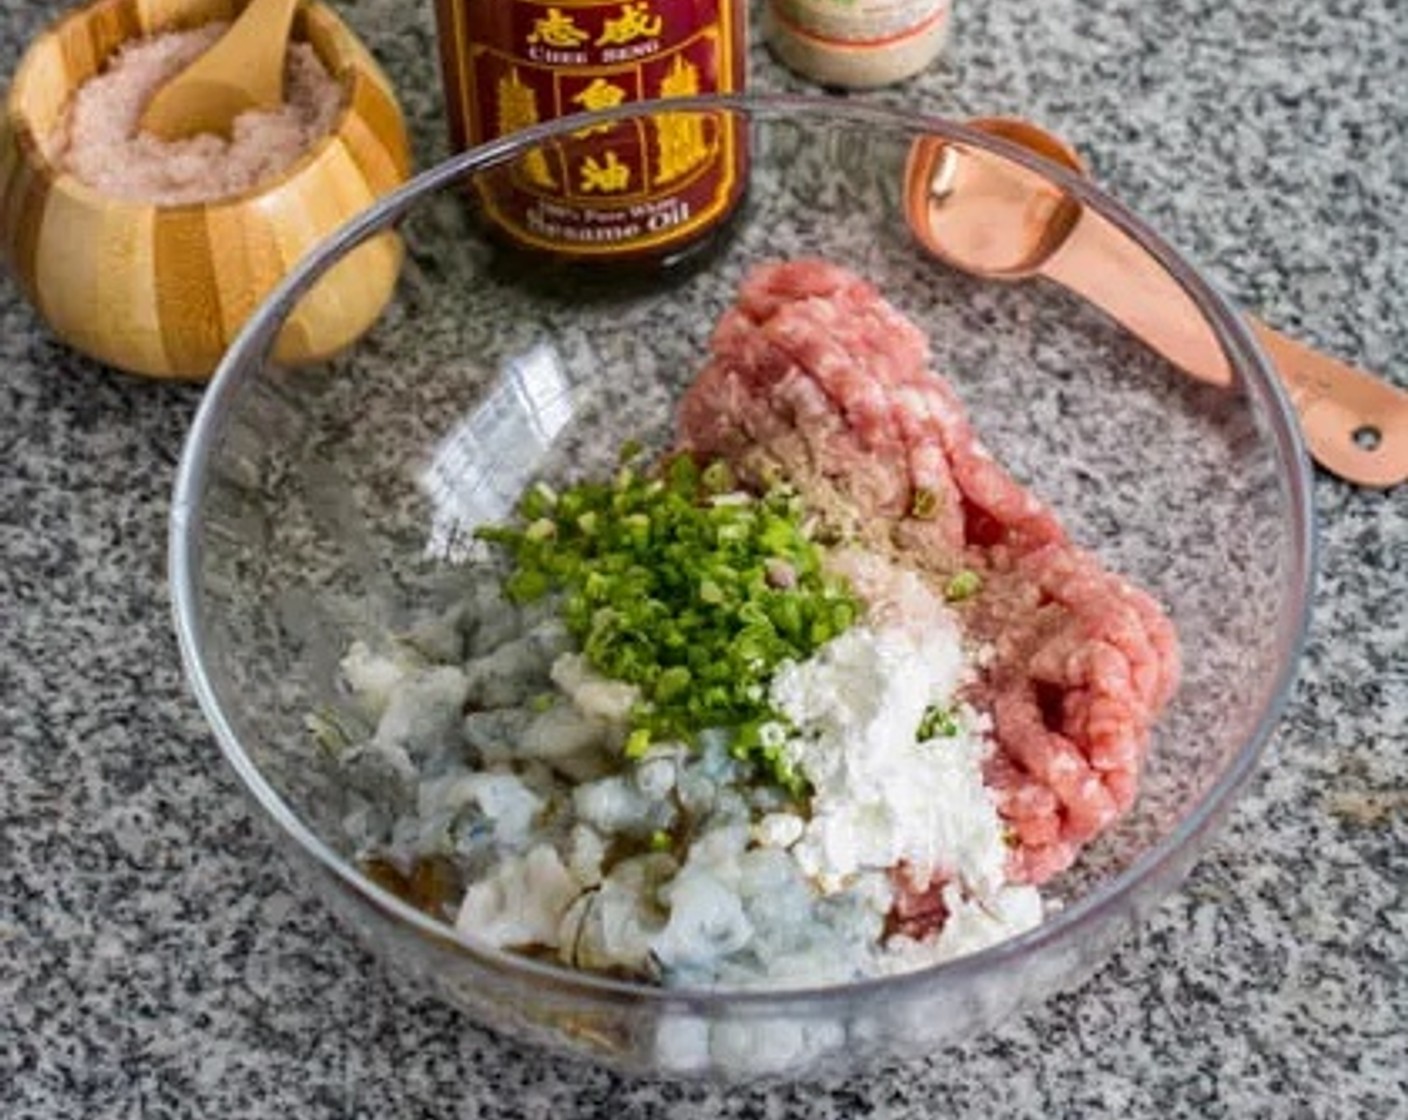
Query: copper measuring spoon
{"x":991,"y":217}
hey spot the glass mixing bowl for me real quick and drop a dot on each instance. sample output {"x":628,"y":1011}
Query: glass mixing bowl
{"x":318,"y":505}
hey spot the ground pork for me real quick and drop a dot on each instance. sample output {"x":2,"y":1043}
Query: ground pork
{"x":814,"y":378}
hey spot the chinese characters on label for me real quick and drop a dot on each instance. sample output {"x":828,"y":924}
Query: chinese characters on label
{"x":622,"y":184}
{"x":557,"y":30}
{"x":636,"y":21}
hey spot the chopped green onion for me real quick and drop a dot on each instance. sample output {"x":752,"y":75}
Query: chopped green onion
{"x":672,"y":683}
{"x":925,"y":504}
{"x":938,"y":722}
{"x":327,"y":731}
{"x":637,"y":743}
{"x":538,"y":502}
{"x":541,"y":529}
{"x":684,"y":475}
{"x":718,"y":477}
{"x":526,"y":585}
{"x":663,"y":580}
{"x":964,"y":585}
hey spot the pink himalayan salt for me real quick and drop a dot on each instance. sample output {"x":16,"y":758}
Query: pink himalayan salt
{"x":98,"y":141}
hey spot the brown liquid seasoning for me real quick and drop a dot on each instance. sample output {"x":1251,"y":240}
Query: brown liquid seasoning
{"x":649,"y":188}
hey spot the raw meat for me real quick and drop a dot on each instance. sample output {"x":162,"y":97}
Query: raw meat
{"x":813,"y":377}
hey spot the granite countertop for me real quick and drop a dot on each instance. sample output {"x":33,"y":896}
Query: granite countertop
{"x":154,"y":961}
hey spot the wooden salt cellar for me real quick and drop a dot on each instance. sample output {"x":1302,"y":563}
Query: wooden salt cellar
{"x":162,"y":290}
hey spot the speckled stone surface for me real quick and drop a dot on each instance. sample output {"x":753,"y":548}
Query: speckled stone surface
{"x":154,"y":963}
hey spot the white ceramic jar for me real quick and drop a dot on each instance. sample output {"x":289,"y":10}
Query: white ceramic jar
{"x":857,"y":44}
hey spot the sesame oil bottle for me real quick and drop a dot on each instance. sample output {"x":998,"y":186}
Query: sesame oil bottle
{"x":649,"y":188}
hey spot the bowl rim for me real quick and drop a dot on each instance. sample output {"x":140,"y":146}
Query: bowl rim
{"x":1164,"y":861}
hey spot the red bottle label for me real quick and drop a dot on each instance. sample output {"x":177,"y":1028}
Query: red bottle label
{"x":650,"y":183}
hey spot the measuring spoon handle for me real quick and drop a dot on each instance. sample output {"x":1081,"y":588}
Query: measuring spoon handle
{"x":1355,"y":424}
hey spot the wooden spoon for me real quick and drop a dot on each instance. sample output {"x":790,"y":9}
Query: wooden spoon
{"x":242,"y":70}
